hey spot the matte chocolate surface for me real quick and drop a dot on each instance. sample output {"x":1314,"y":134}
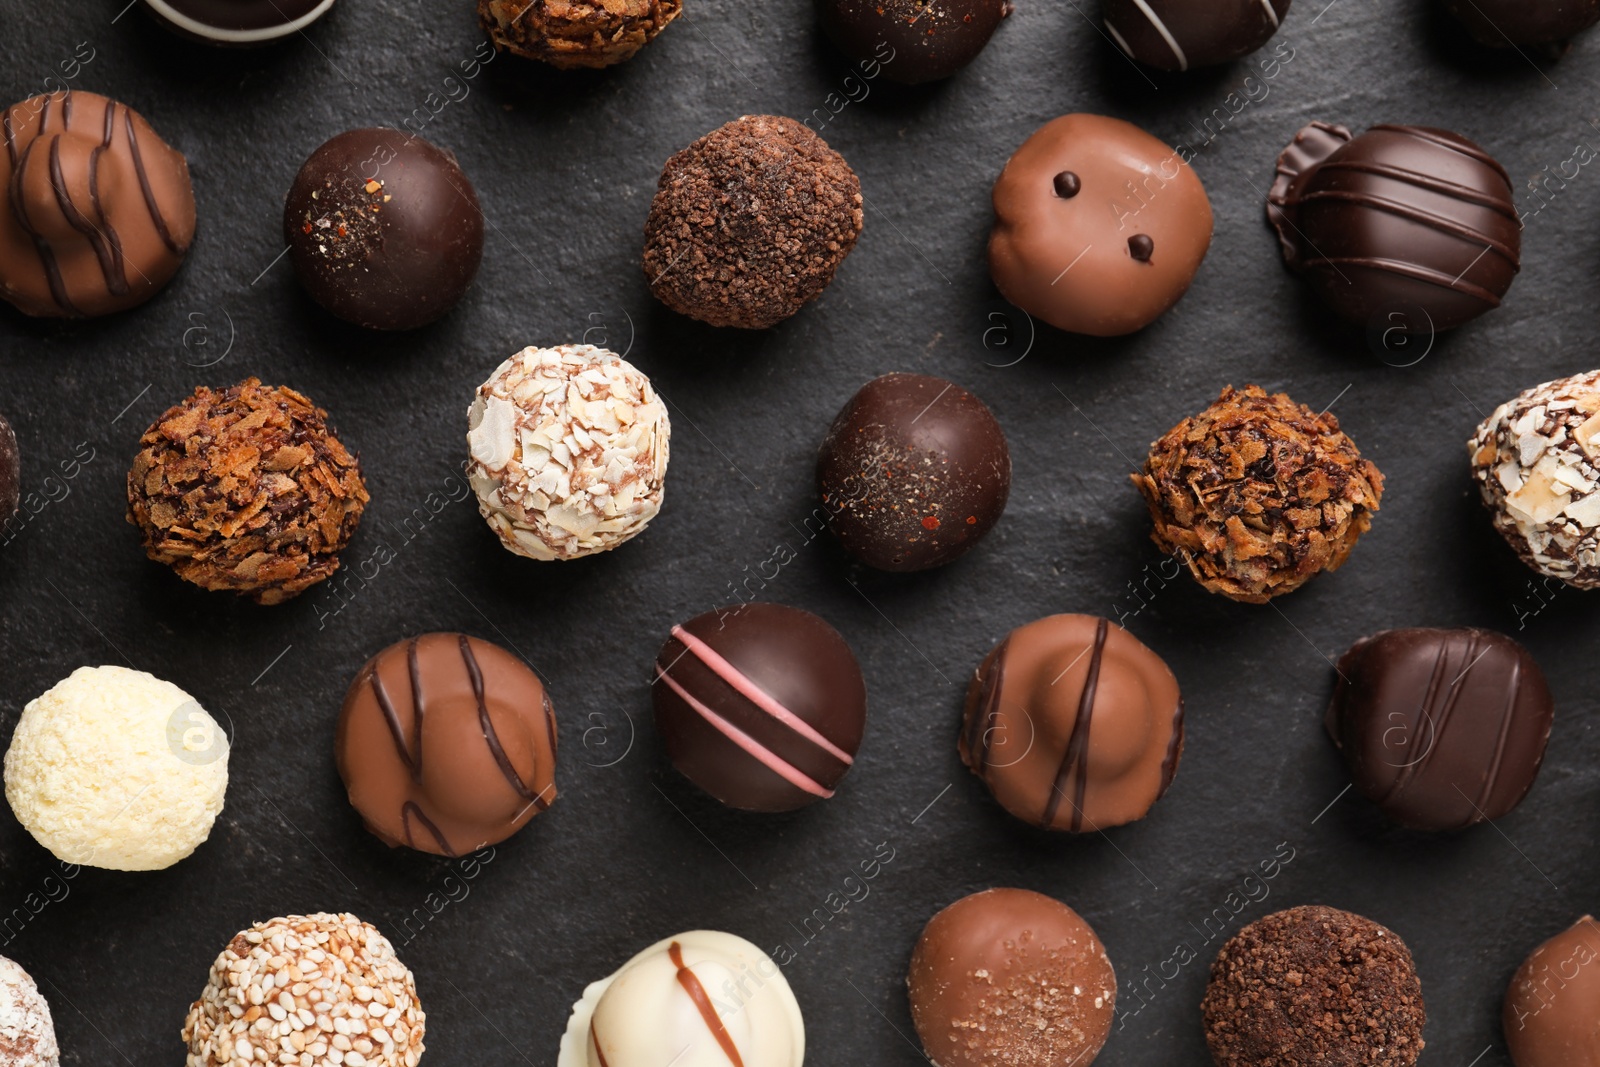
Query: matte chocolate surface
{"x":1509,"y":23}
{"x":1552,"y":1007}
{"x":1179,"y":34}
{"x":912,"y":41}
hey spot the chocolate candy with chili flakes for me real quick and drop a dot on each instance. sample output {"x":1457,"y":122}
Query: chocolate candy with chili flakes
{"x":913,"y":41}
{"x":447,"y":743}
{"x":914,"y":471}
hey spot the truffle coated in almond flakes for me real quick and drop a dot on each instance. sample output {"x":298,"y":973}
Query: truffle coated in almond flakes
{"x":246,"y":489}
{"x":1257,"y":494}
{"x":750,"y":223}
{"x":570,"y":34}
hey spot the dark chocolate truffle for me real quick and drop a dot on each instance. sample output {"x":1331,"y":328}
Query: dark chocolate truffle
{"x":1179,"y":34}
{"x":569,"y":34}
{"x":1099,"y":227}
{"x":1442,"y":729}
{"x":1407,"y":223}
{"x":246,"y":489}
{"x":446,"y":744}
{"x":10,"y":472}
{"x":383,"y":229}
{"x":914,"y":471}
{"x":760,"y":705}
{"x":1258,"y":494}
{"x":1314,"y":987}
{"x":1552,"y":1007}
{"x":100,"y":212}
{"x":750,"y":222}
{"x":237,"y":22}
{"x":1073,"y":724}
{"x":1014,"y":978}
{"x":913,"y":41}
{"x":1514,"y":23}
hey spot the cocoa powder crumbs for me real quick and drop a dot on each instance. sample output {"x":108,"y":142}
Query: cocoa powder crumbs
{"x":1257,"y":494}
{"x":247,"y":490}
{"x":575,"y":33}
{"x":750,"y":223}
{"x":1314,"y":985}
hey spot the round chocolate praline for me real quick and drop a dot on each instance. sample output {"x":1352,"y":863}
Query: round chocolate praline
{"x":447,"y":743}
{"x":912,"y":41}
{"x":383,"y":229}
{"x":913,"y":472}
{"x":761,"y":705}
{"x":1551,"y":1015}
{"x":1410,"y":226}
{"x":1442,"y":729}
{"x":237,"y":22}
{"x":1180,"y":34}
{"x":10,"y":472}
{"x":1513,"y":23}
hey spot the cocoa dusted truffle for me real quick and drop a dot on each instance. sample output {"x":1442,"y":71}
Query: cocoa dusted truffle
{"x":1313,"y":987}
{"x":568,"y":34}
{"x":246,"y":489}
{"x":1257,"y":494}
{"x":1551,"y":1016}
{"x":750,"y":222}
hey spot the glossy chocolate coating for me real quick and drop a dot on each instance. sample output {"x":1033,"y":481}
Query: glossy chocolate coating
{"x":237,"y":22}
{"x":1074,"y":261}
{"x":1011,"y":977}
{"x":761,"y":705}
{"x":1073,"y":724}
{"x":914,"y":40}
{"x":383,"y":229}
{"x":10,"y":472}
{"x":1552,"y":1008}
{"x":1179,"y":34}
{"x":913,"y":472}
{"x":1442,"y":729}
{"x":447,"y":743}
{"x":98,"y":212}
{"x":1401,"y":217}
{"x":1509,"y":23}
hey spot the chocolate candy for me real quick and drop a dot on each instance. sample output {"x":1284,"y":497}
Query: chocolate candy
{"x":572,"y":34}
{"x":1408,"y":226}
{"x":1099,"y":227}
{"x":1442,"y":729}
{"x":1314,"y":986}
{"x":1012,"y":977}
{"x":100,"y":212}
{"x":447,"y":743}
{"x":237,"y":22}
{"x":1513,"y":23}
{"x":1179,"y":34}
{"x":760,"y":705}
{"x":913,"y":472}
{"x":914,"y":41}
{"x":383,"y":229}
{"x":1073,"y":724}
{"x":10,"y":472}
{"x":1552,"y":1008}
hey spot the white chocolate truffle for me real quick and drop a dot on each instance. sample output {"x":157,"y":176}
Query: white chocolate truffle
{"x":700,"y":999}
{"x":115,"y":768}
{"x":27,"y":1033}
{"x":569,"y":451}
{"x":1537,"y":462}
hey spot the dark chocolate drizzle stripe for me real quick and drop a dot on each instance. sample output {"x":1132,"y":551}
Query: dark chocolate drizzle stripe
{"x":490,"y":737}
{"x":1075,"y":761}
{"x":419,"y":709}
{"x":1169,"y":763}
{"x":1471,"y":151}
{"x":118,"y":269}
{"x":408,"y":811}
{"x":1492,"y":779}
{"x":1409,"y":270}
{"x":594,"y":1038}
{"x":1499,"y":205}
{"x":1441,"y":721}
{"x":410,"y":752}
{"x":987,"y":713}
{"x":149,"y":194}
{"x":697,"y":993}
{"x":390,"y":716}
{"x":1414,"y":214}
{"x":47,"y":255}
{"x":107,"y":251}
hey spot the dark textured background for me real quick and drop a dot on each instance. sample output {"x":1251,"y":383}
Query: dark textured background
{"x":565,"y":167}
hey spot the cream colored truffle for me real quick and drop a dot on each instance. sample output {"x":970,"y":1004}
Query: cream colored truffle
{"x":118,"y":769}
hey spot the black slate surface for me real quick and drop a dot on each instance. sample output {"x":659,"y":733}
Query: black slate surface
{"x":565,"y":167}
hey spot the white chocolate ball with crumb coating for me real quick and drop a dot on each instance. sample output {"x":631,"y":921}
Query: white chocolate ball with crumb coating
{"x":118,"y":769}
{"x":27,"y":1033}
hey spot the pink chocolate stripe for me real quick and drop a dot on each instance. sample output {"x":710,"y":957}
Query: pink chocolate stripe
{"x":756,"y":695}
{"x":765,"y":755}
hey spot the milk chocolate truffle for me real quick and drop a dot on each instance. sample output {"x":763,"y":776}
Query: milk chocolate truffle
{"x":750,"y":222}
{"x":336,"y":971}
{"x":913,"y":473}
{"x":246,"y":489}
{"x":27,"y":1032}
{"x":1073,"y":724}
{"x":702,"y":998}
{"x":1099,"y":227}
{"x":100,"y":212}
{"x":1179,"y":34}
{"x":1536,"y":460}
{"x":914,"y":41}
{"x":1258,"y":494}
{"x":383,"y":229}
{"x":10,"y":472}
{"x":1011,"y":977}
{"x":447,"y":743}
{"x":1442,"y":729}
{"x":1530,"y":23}
{"x":1407,"y":224}
{"x":761,"y":705}
{"x":569,"y":34}
{"x":1310,"y":987}
{"x":1552,"y":1007}
{"x":237,"y":22}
